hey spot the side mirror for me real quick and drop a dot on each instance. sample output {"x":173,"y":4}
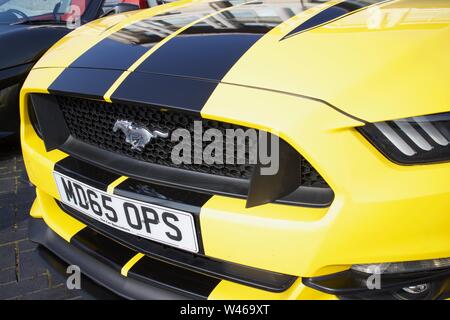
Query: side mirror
{"x":120,"y":8}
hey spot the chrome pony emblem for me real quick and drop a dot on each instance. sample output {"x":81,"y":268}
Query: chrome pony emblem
{"x":138,"y":137}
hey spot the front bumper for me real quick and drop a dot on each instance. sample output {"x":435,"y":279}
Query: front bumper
{"x":102,"y":273}
{"x":129,"y":273}
{"x":382,"y":212}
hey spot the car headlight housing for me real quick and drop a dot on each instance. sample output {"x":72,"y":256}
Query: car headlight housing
{"x":403,"y":267}
{"x":410,"y":280}
{"x":415,"y":140}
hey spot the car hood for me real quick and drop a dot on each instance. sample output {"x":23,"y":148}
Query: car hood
{"x":23,"y":44}
{"x":375,"y":60}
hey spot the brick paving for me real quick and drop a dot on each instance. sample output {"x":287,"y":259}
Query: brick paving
{"x":28,"y":271}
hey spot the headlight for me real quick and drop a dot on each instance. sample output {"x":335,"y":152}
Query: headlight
{"x":413,"y":140}
{"x":403,"y":267}
{"x":412,"y":280}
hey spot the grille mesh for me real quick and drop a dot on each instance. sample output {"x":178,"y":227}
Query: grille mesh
{"x":92,"y":121}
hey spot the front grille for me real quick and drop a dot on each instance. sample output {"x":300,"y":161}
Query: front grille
{"x":92,"y":121}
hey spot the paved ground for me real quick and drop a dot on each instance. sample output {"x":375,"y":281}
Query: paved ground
{"x":26,"y":270}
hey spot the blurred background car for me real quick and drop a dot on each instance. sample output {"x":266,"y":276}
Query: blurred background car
{"x":27,"y":30}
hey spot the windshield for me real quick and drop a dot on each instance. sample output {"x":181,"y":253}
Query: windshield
{"x":19,"y":11}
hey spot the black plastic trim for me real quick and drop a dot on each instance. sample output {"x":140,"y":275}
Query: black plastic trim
{"x":175,"y":198}
{"x":152,"y":271}
{"x":155,"y":173}
{"x":258,"y":278}
{"x":351,"y":282}
{"x":50,"y":120}
{"x":101,"y":273}
{"x":86,"y":173}
{"x":184,"y":179}
{"x":157,"y":272}
{"x":102,"y":248}
{"x":268,"y":188}
{"x":33,"y":118}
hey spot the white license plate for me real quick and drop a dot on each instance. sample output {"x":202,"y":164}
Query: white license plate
{"x":172,"y":227}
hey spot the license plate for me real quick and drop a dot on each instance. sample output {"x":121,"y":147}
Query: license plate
{"x":172,"y":227}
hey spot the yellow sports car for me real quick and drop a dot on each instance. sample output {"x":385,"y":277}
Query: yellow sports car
{"x":274,"y":149}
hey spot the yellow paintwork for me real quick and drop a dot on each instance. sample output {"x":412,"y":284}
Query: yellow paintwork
{"x":38,"y":162}
{"x":131,"y":263}
{"x":358,"y":227}
{"x":46,"y":208}
{"x":377,"y":64}
{"x":226,"y":289}
{"x":115,"y":183}
{"x":382,"y":212}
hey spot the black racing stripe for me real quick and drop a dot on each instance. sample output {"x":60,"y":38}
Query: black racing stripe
{"x":89,"y":83}
{"x":111,"y":54}
{"x":208,"y":55}
{"x":102,"y":248}
{"x":332,"y":13}
{"x":122,"y":48}
{"x":182,"y":93}
{"x":86,"y":173}
{"x":189,"y":282}
{"x":184,"y":72}
{"x":94,"y":72}
{"x":211,"y":47}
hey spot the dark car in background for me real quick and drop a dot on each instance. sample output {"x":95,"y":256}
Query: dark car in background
{"x":27,"y":29}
